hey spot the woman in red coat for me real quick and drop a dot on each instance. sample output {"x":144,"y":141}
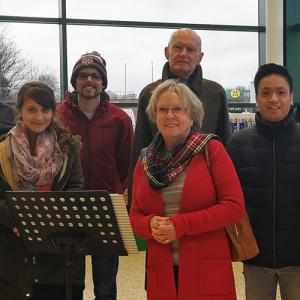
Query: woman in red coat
{"x":180,"y":207}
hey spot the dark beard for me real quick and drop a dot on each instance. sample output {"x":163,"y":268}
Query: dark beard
{"x":89,"y":97}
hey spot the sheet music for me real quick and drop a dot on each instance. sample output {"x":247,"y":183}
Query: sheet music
{"x":124,"y":223}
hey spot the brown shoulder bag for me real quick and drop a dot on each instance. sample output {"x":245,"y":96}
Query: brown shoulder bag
{"x":240,"y":235}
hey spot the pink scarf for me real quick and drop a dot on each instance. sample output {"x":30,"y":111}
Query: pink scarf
{"x":33,"y":171}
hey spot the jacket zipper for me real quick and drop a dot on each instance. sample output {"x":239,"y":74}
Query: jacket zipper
{"x":62,"y":184}
{"x":274,"y":202}
{"x":65,"y":182}
{"x":89,"y":154}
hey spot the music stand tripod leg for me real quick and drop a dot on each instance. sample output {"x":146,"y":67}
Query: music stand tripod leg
{"x":68,"y":264}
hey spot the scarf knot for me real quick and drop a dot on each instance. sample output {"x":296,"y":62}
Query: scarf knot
{"x":161,"y":171}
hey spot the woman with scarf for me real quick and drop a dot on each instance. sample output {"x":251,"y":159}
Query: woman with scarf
{"x":180,"y":205}
{"x":36,"y":155}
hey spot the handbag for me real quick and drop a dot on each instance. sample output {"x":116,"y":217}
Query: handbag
{"x":241,"y":238}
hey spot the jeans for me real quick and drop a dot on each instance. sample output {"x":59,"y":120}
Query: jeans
{"x":105,"y":269}
{"x":261,"y":282}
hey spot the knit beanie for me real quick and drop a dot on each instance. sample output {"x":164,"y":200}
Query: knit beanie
{"x":94,"y":60}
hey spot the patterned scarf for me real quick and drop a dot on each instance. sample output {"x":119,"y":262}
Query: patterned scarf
{"x":161,"y":171}
{"x":33,"y":171}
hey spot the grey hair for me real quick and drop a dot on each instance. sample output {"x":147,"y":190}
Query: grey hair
{"x":189,"y":98}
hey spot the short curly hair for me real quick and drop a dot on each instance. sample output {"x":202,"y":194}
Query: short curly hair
{"x":189,"y":98}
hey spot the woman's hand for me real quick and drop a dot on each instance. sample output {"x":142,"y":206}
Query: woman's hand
{"x":162,"y":229}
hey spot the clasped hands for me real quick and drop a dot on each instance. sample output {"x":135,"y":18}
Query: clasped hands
{"x":162,"y":229}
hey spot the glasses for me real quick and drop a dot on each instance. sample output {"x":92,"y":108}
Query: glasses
{"x":176,"y":111}
{"x":85,"y":76}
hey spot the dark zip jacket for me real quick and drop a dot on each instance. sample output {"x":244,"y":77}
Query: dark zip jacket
{"x":267,"y":160}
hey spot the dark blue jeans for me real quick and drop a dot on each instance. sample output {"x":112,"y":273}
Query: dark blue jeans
{"x":105,"y":269}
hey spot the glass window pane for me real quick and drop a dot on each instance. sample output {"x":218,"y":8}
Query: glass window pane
{"x":230,"y":58}
{"x":234,"y":12}
{"x":29,"y":8}
{"x":37,"y":56}
{"x":133,"y":49}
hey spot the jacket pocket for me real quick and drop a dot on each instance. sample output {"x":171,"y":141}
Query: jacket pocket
{"x":216,"y":277}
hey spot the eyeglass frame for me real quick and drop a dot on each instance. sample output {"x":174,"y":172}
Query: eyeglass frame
{"x":164,"y":111}
{"x":94,"y":76}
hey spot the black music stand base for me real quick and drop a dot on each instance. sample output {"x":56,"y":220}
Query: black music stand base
{"x":71,"y":244}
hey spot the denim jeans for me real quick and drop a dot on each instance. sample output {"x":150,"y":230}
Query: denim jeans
{"x":105,"y":269}
{"x":261,"y":282}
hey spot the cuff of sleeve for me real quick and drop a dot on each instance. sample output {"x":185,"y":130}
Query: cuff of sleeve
{"x":179,"y":225}
{"x":146,"y":225}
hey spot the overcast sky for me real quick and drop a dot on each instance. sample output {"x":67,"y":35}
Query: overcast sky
{"x":231,"y":58}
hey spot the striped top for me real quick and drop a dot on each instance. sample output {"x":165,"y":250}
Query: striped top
{"x":171,"y":199}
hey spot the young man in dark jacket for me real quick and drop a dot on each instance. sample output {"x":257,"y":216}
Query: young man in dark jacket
{"x":184,"y":54}
{"x":267,"y":160}
{"x":106,"y":134}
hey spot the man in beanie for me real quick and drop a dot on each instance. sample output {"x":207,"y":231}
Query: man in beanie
{"x":106,"y":133}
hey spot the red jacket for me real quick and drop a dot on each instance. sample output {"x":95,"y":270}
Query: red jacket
{"x":205,"y":269}
{"x":106,"y":143}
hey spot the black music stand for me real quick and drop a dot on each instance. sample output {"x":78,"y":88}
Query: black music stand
{"x":68,"y":222}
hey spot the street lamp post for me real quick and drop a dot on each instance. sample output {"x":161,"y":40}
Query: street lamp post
{"x":125,"y":75}
{"x":152,"y":70}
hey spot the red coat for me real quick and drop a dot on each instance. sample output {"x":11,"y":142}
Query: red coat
{"x":106,"y":143}
{"x":205,"y":269}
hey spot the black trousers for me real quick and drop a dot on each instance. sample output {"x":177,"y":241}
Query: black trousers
{"x":105,"y":269}
{"x":57,"y":292}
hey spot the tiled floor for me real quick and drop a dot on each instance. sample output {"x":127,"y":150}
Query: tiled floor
{"x":131,"y":279}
